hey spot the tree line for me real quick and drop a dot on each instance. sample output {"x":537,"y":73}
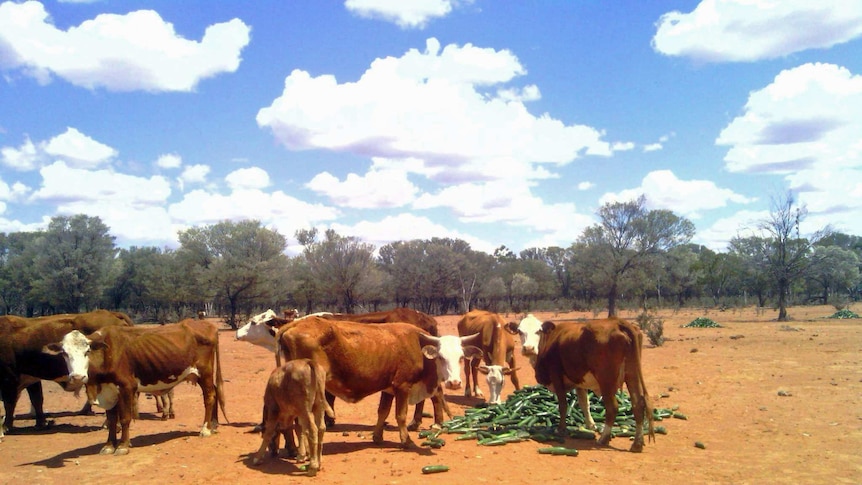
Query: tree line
{"x":633,"y":257}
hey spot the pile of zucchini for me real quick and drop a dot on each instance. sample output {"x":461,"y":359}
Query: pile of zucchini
{"x":531,"y":413}
{"x":702,"y":322}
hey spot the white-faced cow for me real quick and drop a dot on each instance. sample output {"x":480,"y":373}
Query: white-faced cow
{"x":116,"y":363}
{"x":599,"y":355}
{"x":294,"y":397}
{"x":23,"y":365}
{"x":499,"y":354}
{"x":398,"y":360}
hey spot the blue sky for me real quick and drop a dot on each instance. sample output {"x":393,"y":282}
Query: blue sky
{"x":496,"y":122}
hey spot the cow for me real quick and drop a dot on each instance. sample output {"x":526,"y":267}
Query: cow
{"x":294,"y":396}
{"x":261,"y":329}
{"x":399,"y":360}
{"x":401,"y":314}
{"x":23,"y":365}
{"x":498,"y":349}
{"x":116,"y":363}
{"x":599,"y":355}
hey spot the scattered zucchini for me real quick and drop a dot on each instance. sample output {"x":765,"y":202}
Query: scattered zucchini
{"x":434,"y":469}
{"x":558,"y":450}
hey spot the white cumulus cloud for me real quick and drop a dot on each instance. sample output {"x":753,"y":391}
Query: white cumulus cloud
{"x":747,"y":30}
{"x":414,"y":14}
{"x":375,"y":189}
{"x":131,"y":52}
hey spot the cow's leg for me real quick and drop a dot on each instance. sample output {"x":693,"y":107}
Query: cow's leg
{"x":609,"y":399}
{"x":269,"y":433}
{"x":417,"y":416}
{"x":210,"y":407}
{"x":563,"y":406}
{"x":111,"y":422}
{"x":330,"y":420}
{"x":87,"y":410}
{"x":318,"y":413}
{"x":10,"y":399}
{"x":382,"y":413}
{"x":584,"y":403}
{"x":514,"y":373}
{"x":125,"y":409}
{"x":308,"y":432}
{"x":401,"y":418}
{"x":37,"y":401}
{"x":468,"y":369}
{"x":640,"y":405}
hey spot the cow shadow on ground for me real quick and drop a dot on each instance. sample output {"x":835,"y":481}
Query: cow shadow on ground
{"x":69,"y":457}
{"x":464,"y":400}
{"x":276,"y":465}
{"x":53,"y":428}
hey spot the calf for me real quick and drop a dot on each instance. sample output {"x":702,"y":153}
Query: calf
{"x":294,"y":394}
{"x":599,"y":355}
{"x":499,"y":354}
{"x":116,"y":363}
{"x":399,"y":360}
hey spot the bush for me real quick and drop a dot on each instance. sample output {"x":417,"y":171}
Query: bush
{"x":653,"y":327}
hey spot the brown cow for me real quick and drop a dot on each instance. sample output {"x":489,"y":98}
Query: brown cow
{"x":598,"y":355}
{"x":498,"y":349}
{"x":294,"y":394}
{"x":23,"y":365}
{"x":401,"y":314}
{"x":117,"y":363}
{"x":399,"y":359}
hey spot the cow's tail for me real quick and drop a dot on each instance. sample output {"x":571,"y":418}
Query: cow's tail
{"x":219,"y":384}
{"x":636,"y":337}
{"x":320,"y":388}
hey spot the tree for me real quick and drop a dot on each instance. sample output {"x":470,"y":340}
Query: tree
{"x":239,"y":260}
{"x":73,"y":260}
{"x":785,"y":251}
{"x":339,"y":264}
{"x":833,"y":268}
{"x":625,"y":237}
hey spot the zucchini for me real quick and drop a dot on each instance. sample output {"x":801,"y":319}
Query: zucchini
{"x":434,"y":469}
{"x":558,"y":450}
{"x":582,"y":434}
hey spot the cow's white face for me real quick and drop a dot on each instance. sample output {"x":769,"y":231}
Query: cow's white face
{"x":257,"y":332}
{"x":495,"y":376}
{"x":449,"y":353}
{"x":76,"y":351}
{"x":529,"y":330}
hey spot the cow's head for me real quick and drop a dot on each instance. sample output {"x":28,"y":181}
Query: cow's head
{"x":75,"y":349}
{"x":256,"y":331}
{"x":529,"y":330}
{"x":495,"y":376}
{"x":449,"y":352}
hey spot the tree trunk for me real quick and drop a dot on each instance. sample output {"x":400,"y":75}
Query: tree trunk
{"x":782,"y":300}
{"x":612,"y":301}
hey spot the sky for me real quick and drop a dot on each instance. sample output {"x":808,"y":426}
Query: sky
{"x":495,"y":122}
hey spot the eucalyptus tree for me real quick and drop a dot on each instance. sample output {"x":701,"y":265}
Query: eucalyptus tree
{"x":73,"y":261}
{"x":340,"y":265}
{"x":625,"y":237}
{"x":239,"y":261}
{"x":17,"y":272}
{"x":786,"y":252}
{"x":833,"y":268}
{"x":753,"y":274}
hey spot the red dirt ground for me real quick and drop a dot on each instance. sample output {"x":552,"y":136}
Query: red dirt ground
{"x":772,"y":403}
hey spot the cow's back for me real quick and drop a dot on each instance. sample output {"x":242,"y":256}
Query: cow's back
{"x":359,"y":359}
{"x":401,"y":314}
{"x":575,"y":348}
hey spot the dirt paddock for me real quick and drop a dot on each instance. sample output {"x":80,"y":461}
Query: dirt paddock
{"x":771,"y":402}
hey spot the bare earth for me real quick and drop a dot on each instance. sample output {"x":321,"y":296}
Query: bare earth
{"x":771,"y":403}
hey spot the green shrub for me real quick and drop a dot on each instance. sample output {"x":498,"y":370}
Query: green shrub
{"x":653,"y":327}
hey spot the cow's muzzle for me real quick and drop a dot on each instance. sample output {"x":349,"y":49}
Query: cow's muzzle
{"x":75,"y":383}
{"x":453,"y":384}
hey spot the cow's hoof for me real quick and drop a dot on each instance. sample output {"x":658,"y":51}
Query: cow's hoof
{"x":377,"y":438}
{"x":414,"y":425}
{"x":256,"y":461}
{"x":311,"y":472}
{"x":636,"y":447}
{"x":121,"y":451}
{"x":107,"y":450}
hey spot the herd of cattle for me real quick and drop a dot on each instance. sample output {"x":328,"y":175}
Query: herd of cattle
{"x":319,"y":357}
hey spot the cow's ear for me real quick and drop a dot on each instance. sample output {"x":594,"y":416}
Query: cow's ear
{"x":484,"y":369}
{"x":430,"y":352}
{"x":53,"y":349}
{"x":548,"y":326}
{"x":512,"y":328}
{"x":96,"y":345}
{"x":471,"y":352}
